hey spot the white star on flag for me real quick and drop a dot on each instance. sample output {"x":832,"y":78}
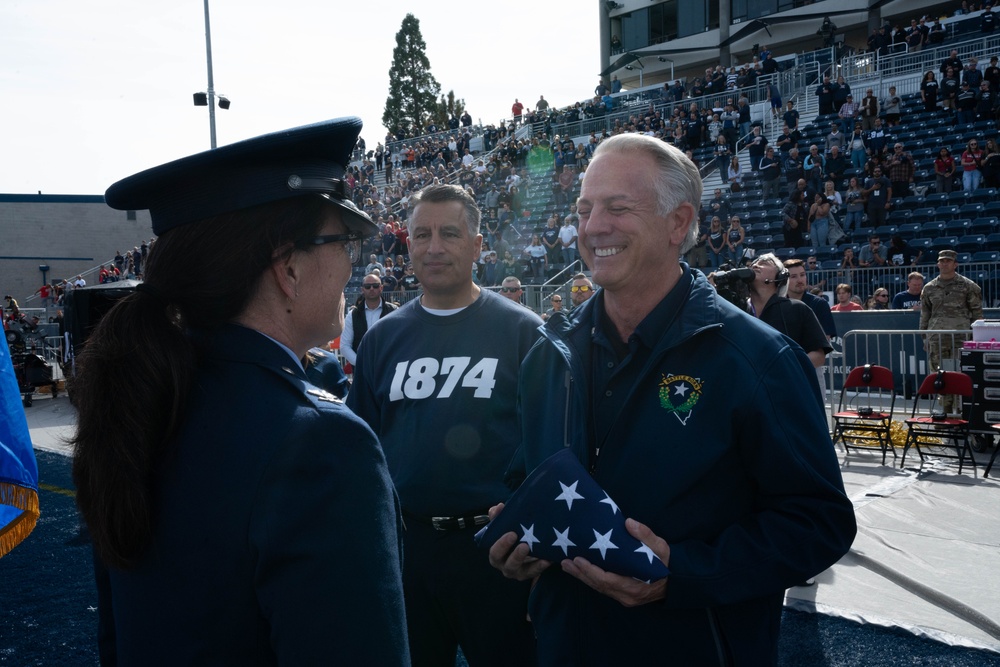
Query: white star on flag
{"x":607,"y":501}
{"x":681,"y":389}
{"x":643,"y":549}
{"x":529,"y":536}
{"x":569,"y":494}
{"x":603,"y":542}
{"x":563,"y":541}
{"x":536,"y":508}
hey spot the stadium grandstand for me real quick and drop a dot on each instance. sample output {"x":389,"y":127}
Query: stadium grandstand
{"x":527,"y":172}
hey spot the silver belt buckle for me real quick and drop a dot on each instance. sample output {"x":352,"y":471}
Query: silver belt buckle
{"x":436,"y":521}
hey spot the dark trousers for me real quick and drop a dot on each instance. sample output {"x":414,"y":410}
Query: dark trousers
{"x":876,"y":215}
{"x":455,"y":597}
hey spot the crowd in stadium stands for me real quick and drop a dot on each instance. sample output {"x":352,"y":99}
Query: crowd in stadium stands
{"x":821,"y":188}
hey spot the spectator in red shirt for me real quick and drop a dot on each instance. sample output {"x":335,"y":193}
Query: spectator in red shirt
{"x":844,"y":303}
{"x":517,"y":109}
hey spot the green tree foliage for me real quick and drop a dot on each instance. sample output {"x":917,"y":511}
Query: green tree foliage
{"x":413,"y":90}
{"x":447,"y":107}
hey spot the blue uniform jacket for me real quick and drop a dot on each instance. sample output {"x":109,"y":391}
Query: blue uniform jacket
{"x":739,"y":477}
{"x":323,"y":369}
{"x":276,"y":531}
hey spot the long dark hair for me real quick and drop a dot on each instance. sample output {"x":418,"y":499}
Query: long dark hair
{"x":199,"y":275}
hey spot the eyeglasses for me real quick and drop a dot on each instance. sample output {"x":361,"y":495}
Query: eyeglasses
{"x":351,"y":241}
{"x":881,"y":295}
{"x":556,"y":300}
{"x":580,"y":288}
{"x":510,"y":290}
{"x":371,"y":285}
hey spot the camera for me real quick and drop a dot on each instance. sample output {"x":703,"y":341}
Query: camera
{"x":733,"y":275}
{"x":731,"y":284}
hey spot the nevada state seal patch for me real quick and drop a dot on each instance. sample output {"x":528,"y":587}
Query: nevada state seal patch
{"x":679,"y":394}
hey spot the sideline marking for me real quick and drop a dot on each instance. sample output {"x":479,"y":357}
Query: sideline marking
{"x":57,"y":489}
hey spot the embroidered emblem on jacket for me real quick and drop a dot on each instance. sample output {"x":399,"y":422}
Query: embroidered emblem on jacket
{"x":679,"y":394}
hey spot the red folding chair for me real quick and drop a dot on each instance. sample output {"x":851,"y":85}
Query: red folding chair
{"x":932,"y":429}
{"x":861,"y":421}
{"x":989,"y":466}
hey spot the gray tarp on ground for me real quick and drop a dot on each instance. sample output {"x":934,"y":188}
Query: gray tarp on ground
{"x":927,"y":555}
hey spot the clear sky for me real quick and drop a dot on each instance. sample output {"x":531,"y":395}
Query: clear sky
{"x":92,"y":91}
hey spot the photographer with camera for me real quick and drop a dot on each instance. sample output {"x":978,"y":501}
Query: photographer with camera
{"x":731,"y":284}
{"x":793,"y":318}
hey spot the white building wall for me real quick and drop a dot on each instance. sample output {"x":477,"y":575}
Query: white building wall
{"x":70,"y":234}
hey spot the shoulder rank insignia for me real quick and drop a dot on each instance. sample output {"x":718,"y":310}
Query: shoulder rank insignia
{"x":679,"y":394}
{"x":323,"y":395}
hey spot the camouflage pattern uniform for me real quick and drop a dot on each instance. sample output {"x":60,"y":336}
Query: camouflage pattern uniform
{"x":949,"y":304}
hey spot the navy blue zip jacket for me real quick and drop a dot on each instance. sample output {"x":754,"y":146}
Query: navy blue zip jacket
{"x":739,"y":477}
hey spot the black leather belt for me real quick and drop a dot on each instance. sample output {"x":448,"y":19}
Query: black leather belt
{"x":450,"y":522}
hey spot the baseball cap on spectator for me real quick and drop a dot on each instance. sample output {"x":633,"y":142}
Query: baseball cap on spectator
{"x":302,"y":161}
{"x":948,"y":254}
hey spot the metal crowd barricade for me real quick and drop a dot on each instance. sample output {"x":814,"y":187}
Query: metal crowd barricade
{"x":900,"y":350}
{"x":53,"y":349}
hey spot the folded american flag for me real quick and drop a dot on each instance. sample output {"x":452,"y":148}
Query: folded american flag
{"x":561,"y":512}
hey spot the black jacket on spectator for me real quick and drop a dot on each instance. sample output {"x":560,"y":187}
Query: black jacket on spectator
{"x":361,"y":322}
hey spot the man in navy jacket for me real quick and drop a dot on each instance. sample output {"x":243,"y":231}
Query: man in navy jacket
{"x":704,"y":425}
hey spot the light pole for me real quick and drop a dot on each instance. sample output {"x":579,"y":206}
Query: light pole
{"x":208,"y":98}
{"x":211,"y":85}
{"x":639,"y":67}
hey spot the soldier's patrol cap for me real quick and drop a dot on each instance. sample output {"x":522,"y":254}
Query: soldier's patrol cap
{"x":302,"y":161}
{"x":948,"y":254}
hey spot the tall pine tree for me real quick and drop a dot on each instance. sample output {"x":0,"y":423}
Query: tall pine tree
{"x":413,"y":90}
{"x":447,"y":108}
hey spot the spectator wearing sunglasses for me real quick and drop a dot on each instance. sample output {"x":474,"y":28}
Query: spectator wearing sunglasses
{"x":369,"y":309}
{"x":510,"y":288}
{"x":972,"y":160}
{"x":581,"y":290}
{"x":879,"y":300}
{"x":556,"y":307}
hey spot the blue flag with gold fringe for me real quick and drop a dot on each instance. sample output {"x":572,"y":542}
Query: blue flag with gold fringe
{"x":18,"y":469}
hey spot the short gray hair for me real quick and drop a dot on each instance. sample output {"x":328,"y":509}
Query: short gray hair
{"x":677,"y":179}
{"x":441,"y":194}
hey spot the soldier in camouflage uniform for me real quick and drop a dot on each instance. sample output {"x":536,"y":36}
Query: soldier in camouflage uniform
{"x":950,"y":301}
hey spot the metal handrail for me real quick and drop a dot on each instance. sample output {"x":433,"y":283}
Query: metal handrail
{"x":576,"y":266}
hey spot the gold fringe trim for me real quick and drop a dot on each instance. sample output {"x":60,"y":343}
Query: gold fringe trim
{"x":897,"y":436}
{"x":17,"y":530}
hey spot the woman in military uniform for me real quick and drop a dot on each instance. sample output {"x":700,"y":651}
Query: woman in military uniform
{"x":245,"y":515}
